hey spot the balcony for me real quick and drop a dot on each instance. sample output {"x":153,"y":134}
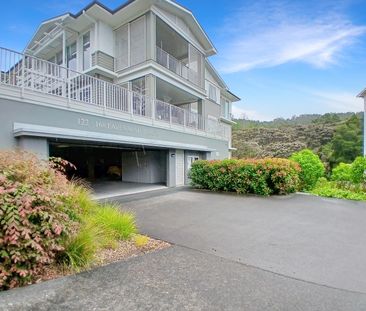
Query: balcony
{"x":180,"y":68}
{"x":39,"y":76}
{"x":178,"y":55}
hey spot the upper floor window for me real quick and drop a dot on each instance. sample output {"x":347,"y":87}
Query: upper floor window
{"x":131,"y":44}
{"x":212,"y":93}
{"x":225,"y":108}
{"x":86,"y":51}
{"x":71,"y":56}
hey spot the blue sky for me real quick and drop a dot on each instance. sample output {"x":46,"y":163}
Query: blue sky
{"x":283,"y":58}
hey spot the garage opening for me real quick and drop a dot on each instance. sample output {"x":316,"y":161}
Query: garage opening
{"x":112,"y":169}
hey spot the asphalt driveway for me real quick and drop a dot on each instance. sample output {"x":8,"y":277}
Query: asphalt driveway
{"x":300,"y":236}
{"x":229,"y":253}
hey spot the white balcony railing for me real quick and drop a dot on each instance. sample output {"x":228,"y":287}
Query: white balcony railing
{"x":31,"y":73}
{"x":170,"y":62}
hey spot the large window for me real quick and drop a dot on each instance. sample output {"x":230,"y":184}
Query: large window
{"x":195,"y":65}
{"x":131,"y":44}
{"x":86,"y":51}
{"x":138,"y":41}
{"x":139,"y":89}
{"x":212,"y":93}
{"x":71,"y":56}
{"x":122,"y":47}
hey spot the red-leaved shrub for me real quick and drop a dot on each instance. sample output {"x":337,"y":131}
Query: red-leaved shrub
{"x":33,"y":216}
{"x":257,"y":176}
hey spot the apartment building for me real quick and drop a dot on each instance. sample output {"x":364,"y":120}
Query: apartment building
{"x":129,"y":90}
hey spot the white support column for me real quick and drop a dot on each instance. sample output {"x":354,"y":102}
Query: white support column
{"x":64,"y":48}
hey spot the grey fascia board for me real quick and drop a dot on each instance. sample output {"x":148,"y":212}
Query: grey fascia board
{"x":24,"y":129}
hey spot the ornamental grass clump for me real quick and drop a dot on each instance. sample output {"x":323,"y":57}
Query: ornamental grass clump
{"x":256,"y":176}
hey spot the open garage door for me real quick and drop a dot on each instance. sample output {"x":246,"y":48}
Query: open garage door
{"x":103,"y":164}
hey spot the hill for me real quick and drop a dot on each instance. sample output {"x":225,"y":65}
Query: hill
{"x":282,"y":137}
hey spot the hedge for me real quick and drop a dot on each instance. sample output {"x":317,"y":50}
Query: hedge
{"x":256,"y":176}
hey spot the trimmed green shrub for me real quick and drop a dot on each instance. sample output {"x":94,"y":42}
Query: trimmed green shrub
{"x":257,"y":176}
{"x":312,"y":168}
{"x":358,"y":168}
{"x":342,"y":172}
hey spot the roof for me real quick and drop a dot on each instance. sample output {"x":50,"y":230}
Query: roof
{"x":362,"y":94}
{"x":221,"y":81}
{"x":172,"y":5}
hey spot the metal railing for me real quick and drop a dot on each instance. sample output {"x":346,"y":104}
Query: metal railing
{"x":38,"y":75}
{"x":180,"y":68}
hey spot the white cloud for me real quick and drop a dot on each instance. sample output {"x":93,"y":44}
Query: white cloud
{"x":242,"y":113}
{"x":337,"y":101}
{"x":267,"y":35}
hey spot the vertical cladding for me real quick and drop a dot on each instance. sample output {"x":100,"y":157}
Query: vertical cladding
{"x":179,"y":157}
{"x":144,"y":166}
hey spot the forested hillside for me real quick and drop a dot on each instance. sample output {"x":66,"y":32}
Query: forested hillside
{"x":336,"y":137}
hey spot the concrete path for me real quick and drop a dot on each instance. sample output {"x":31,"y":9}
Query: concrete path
{"x":178,"y":278}
{"x":230,"y":253}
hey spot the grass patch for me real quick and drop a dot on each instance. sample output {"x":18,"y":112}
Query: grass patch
{"x":100,"y":226}
{"x":120,"y":225}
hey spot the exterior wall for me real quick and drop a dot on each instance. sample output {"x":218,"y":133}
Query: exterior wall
{"x":144,"y":167}
{"x":211,"y":109}
{"x":22,"y":112}
{"x":105,"y":39}
{"x":36,"y":145}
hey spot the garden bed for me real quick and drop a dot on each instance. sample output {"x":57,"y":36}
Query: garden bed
{"x":124,"y":251}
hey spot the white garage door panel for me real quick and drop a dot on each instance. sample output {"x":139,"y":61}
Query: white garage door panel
{"x":179,"y":168}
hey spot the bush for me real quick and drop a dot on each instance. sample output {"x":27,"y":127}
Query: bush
{"x":46,"y":219}
{"x":312,"y":168}
{"x":343,"y":190}
{"x":342,"y":172}
{"x":34,"y":219}
{"x":262,"y":177}
{"x":358,"y":168}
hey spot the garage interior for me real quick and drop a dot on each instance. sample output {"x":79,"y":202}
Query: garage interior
{"x":110,"y":168}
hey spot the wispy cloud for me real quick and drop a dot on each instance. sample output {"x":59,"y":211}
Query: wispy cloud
{"x":243,"y":113}
{"x":270,"y":34}
{"x":337,"y":101}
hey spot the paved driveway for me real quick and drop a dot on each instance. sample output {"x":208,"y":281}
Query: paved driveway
{"x":231,"y":253}
{"x":303,"y":237}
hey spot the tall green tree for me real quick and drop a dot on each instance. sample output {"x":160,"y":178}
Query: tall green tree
{"x":346,"y":143}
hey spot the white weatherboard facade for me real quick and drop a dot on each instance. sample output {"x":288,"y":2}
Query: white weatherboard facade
{"x":128,"y":90}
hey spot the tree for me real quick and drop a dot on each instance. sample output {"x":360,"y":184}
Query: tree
{"x":347,"y":141}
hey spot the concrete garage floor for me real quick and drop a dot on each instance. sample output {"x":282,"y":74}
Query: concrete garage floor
{"x":229,"y":253}
{"x":109,"y":189}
